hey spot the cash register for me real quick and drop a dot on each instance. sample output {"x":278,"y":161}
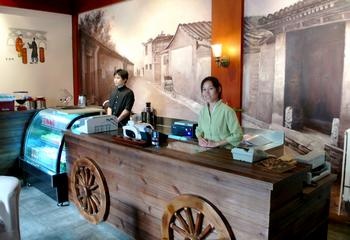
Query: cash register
{"x":319,"y":167}
{"x":259,"y":144}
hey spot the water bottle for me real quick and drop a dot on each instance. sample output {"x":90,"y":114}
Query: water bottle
{"x":155,"y":138}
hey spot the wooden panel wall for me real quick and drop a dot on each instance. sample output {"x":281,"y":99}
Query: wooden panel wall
{"x":12,"y":130}
{"x":227,"y":18}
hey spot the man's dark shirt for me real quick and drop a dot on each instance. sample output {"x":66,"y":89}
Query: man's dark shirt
{"x":121,"y":98}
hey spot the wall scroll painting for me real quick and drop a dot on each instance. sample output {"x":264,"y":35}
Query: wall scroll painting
{"x":29,"y":45}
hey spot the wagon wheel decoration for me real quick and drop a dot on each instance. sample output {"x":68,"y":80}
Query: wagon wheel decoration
{"x":190,"y":217}
{"x":89,"y":188}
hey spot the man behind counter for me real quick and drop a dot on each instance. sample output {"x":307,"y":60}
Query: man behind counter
{"x":122,"y":98}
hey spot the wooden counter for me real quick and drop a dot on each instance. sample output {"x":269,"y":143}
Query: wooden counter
{"x":136,"y":184}
{"x":12,"y":130}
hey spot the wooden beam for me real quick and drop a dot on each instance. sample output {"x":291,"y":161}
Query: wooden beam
{"x":62,"y":6}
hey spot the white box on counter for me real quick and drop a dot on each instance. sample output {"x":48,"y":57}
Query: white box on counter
{"x":95,"y":124}
{"x":248,"y":154}
{"x":259,"y":144}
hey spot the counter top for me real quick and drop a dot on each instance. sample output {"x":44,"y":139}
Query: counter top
{"x":79,"y":110}
{"x":214,"y":158}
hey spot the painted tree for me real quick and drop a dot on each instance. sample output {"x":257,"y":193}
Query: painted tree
{"x":95,"y":25}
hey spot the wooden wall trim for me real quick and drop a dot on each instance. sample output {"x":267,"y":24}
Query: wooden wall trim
{"x":75,"y":52}
{"x":83,"y":5}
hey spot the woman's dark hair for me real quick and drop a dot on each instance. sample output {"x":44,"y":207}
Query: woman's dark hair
{"x":215,"y":83}
{"x":122,"y":73}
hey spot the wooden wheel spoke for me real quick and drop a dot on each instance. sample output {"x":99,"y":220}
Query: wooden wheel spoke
{"x":79,"y":187}
{"x":199,"y":223}
{"x":84,"y":202}
{"x":179,"y":230}
{"x":91,"y":179}
{"x":94,"y":187}
{"x":93,"y":206}
{"x":92,"y":210}
{"x":182,"y":221}
{"x":86,"y":174}
{"x":89,"y":209}
{"x":189,"y":219}
{"x":206,"y":232}
{"x":95,"y":199}
{"x":82,"y":177}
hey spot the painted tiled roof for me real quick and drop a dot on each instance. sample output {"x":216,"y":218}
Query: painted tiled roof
{"x":197,"y":30}
{"x":163,"y":37}
{"x":303,"y":9}
{"x":306,"y":14}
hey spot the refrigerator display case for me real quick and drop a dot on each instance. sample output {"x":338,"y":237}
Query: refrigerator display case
{"x":44,"y":155}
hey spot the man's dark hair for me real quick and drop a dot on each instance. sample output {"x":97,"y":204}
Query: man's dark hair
{"x":215,"y":83}
{"x":122,"y":73}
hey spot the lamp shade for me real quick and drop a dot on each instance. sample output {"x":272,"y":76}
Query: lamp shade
{"x":217,"y":50}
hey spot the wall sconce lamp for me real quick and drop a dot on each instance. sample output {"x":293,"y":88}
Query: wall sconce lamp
{"x":217,"y":52}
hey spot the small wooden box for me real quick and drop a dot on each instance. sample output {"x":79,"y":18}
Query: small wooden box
{"x":7,"y":105}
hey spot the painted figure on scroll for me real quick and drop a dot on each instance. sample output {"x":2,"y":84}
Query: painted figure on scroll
{"x":34,"y":48}
{"x":19,"y":45}
{"x":217,"y":123}
{"x":122,"y":98}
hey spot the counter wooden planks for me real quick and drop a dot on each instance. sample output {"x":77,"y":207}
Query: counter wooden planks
{"x":13,"y":125}
{"x":256,"y":204}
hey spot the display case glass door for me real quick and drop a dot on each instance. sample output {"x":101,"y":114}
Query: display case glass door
{"x":44,"y":147}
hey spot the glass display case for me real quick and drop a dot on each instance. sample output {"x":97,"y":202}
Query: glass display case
{"x":44,"y":155}
{"x":44,"y":147}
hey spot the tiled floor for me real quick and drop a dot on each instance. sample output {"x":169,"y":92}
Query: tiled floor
{"x":42,"y":219}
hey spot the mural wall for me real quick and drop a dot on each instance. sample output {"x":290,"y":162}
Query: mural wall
{"x":295,"y":76}
{"x":164,"y":45}
{"x":295,"y":73}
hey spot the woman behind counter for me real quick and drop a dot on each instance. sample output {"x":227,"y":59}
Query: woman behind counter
{"x":217,"y":123}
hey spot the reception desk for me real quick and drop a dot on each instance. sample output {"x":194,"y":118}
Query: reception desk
{"x":181,"y":191}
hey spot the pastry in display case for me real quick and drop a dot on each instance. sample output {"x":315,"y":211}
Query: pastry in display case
{"x":44,"y":155}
